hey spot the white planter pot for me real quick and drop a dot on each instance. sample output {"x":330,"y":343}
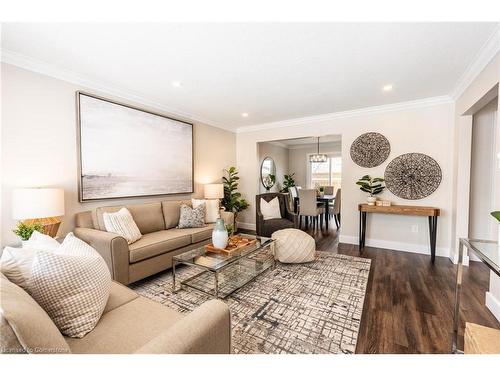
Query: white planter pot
{"x":371,"y":200}
{"x":24,"y":244}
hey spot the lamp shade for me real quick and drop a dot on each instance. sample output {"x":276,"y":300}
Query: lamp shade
{"x":214,"y":191}
{"x":37,"y":203}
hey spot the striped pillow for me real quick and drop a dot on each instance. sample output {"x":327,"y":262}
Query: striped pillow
{"x":122,"y":223}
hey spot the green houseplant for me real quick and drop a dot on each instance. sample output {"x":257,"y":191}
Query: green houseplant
{"x":24,"y":231}
{"x":232,"y":201}
{"x":372,"y":186}
{"x":288,"y":182}
{"x":321,"y":191}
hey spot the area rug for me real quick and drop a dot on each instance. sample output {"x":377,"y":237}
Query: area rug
{"x":313,"y":307}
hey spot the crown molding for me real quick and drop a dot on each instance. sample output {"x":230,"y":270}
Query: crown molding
{"x":421,"y":103}
{"x":42,"y":67}
{"x":486,"y":53}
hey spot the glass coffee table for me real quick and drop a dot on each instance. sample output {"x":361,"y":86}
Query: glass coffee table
{"x":223,"y":274}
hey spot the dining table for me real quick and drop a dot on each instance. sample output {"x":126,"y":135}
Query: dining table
{"x":322,"y":199}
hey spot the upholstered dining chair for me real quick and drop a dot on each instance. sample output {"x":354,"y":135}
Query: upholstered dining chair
{"x":335,"y":209}
{"x":309,"y":207}
{"x":328,"y":190}
{"x":266,"y":228}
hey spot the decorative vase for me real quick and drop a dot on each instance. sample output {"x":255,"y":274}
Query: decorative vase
{"x":371,"y":200}
{"x":219,"y":234}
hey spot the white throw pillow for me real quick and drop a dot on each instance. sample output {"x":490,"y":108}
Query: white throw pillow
{"x":15,"y":264}
{"x":122,"y":223}
{"x":271,"y":209}
{"x":40,"y":241}
{"x":211,"y":208}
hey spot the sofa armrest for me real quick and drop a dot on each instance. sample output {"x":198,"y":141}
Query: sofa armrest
{"x":206,"y":330}
{"x":112,"y":247}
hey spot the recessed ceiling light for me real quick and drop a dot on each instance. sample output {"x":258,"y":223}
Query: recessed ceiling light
{"x":244,"y":114}
{"x":176,"y":84}
{"x":387,"y":88}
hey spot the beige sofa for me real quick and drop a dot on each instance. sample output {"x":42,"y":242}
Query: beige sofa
{"x":153,"y":253}
{"x":129,"y":324}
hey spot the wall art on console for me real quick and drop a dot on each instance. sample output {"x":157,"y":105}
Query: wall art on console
{"x":129,"y":152}
{"x":370,"y":150}
{"x":413,"y":176}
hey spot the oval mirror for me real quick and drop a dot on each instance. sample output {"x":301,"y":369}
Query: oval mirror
{"x":268,"y":173}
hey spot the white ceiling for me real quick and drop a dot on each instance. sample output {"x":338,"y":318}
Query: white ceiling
{"x":271,"y":71}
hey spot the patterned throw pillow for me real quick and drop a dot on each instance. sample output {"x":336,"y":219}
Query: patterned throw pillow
{"x":72,"y":285}
{"x":192,"y":217}
{"x":122,"y":223}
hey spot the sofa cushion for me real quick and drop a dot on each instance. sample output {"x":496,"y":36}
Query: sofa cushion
{"x":119,"y":295}
{"x":126,"y":328}
{"x":157,"y":243}
{"x":171,"y":212}
{"x":147,"y":216}
{"x":197,"y":234}
{"x":24,"y":324}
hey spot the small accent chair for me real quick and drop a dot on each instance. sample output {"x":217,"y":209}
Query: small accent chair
{"x":328,"y":190}
{"x":309,"y":207}
{"x":266,"y":228}
{"x":335,"y":209}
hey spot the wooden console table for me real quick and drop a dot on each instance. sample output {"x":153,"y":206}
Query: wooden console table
{"x":431,"y":212}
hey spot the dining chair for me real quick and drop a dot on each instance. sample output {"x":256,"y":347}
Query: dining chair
{"x":294,"y":194}
{"x":335,"y":209}
{"x":328,"y":190}
{"x":308,"y":208}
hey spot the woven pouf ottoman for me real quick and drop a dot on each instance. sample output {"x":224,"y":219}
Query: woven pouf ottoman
{"x":293,"y":246}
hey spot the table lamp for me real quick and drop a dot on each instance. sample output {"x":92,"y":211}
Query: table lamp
{"x":39,"y":205}
{"x":214,"y":191}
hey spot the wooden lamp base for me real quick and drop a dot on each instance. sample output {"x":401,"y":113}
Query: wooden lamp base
{"x":50,"y":225}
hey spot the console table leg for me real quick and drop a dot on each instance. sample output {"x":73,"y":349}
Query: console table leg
{"x":433,"y":235}
{"x":360,"y":231}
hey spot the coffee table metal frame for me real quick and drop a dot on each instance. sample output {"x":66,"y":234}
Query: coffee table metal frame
{"x":263,"y":242}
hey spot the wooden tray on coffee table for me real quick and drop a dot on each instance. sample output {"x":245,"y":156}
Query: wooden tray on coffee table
{"x":235,"y":244}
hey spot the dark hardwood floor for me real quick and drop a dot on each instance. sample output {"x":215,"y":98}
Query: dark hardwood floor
{"x":409,"y":302}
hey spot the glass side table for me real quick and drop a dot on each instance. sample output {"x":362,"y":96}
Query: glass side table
{"x":489,"y":253}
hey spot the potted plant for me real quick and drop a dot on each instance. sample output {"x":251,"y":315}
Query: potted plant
{"x":24,"y":231}
{"x":496,"y":215}
{"x":288,"y":183}
{"x":232,"y":201}
{"x":321,"y":191}
{"x":372,"y":186}
{"x":269,"y":181}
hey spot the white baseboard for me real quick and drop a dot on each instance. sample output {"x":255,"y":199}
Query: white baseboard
{"x":393,"y":245}
{"x":493,"y":304}
{"x":249,"y":226}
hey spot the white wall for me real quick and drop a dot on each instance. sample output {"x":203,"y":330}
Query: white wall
{"x":299,"y":161}
{"x":427,"y":129}
{"x":482,"y":180}
{"x":280,"y":156}
{"x":39,"y":144}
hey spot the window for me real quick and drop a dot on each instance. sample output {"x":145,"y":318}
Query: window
{"x":328,"y":173}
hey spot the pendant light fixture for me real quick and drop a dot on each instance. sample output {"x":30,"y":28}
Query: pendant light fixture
{"x":318,"y":158}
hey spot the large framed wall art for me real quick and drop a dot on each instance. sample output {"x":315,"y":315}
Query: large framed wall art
{"x":130,"y":152}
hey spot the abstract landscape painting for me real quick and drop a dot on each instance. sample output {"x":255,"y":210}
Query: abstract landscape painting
{"x":127,"y":152}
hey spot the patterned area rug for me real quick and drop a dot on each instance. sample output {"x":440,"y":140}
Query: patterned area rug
{"x":296,"y":308}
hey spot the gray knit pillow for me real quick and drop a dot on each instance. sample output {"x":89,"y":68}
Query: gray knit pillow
{"x":192,"y":217}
